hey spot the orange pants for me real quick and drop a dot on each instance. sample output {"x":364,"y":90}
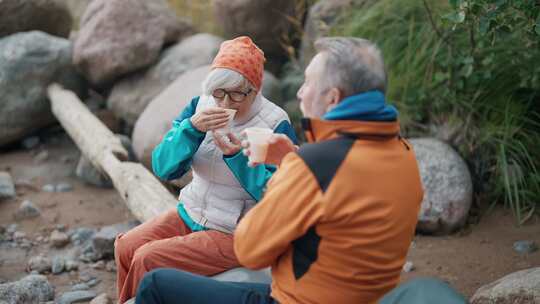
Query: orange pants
{"x":166,"y":241}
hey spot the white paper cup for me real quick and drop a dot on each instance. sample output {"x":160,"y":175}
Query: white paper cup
{"x":228,"y":127}
{"x":258,"y":143}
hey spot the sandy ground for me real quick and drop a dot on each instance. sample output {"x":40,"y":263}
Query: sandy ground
{"x":467,"y":260}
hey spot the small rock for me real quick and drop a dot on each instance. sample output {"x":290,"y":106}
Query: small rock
{"x":71,"y":265}
{"x":93,"y":282}
{"x":408,"y":267}
{"x":39,"y":239}
{"x":12,"y":228}
{"x":525,"y":247}
{"x":40,"y":264}
{"x":81,"y":235}
{"x":19,"y":235}
{"x":103,"y":241}
{"x":30,"y":289}
{"x":41,"y":156}
{"x":49,"y":188}
{"x":30,"y":142}
{"x":2,"y":229}
{"x":59,"y":239}
{"x":111,"y":266}
{"x":27,"y":210}
{"x":76,"y":296}
{"x":99,"y":265}
{"x":61,"y":227}
{"x":58,"y":265}
{"x":66,"y":159}
{"x":26,"y":245}
{"x":64,"y":187}
{"x":86,"y":277}
{"x":80,"y":286}
{"x":7,"y":188}
{"x":101,"y":299}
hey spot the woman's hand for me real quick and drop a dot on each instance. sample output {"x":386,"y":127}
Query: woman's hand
{"x":279,"y":145}
{"x":210,"y":119}
{"x":228,"y":143}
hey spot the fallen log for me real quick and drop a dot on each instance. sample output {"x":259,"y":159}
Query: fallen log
{"x":144,"y":195}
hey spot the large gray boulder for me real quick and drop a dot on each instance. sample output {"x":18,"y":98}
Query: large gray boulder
{"x":522,"y":287}
{"x":30,"y":289}
{"x":322,"y":16}
{"x":156,"y":119}
{"x":447,"y":187}
{"x":121,"y":36}
{"x":265,"y":21}
{"x":131,"y":95}
{"x":49,"y":16}
{"x":29,"y":62}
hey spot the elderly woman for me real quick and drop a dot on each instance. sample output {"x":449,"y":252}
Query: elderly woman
{"x":197,"y":236}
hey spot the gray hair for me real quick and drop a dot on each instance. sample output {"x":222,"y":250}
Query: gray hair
{"x":221,"y":78}
{"x":353,"y":65}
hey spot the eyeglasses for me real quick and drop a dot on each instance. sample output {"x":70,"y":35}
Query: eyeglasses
{"x":235,"y":96}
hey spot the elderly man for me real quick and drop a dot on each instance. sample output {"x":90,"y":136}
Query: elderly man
{"x":338,"y":216}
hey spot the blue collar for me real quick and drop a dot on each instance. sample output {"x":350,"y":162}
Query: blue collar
{"x":369,"y":106}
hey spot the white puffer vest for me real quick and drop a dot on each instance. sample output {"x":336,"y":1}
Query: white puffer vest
{"x":215,"y":198}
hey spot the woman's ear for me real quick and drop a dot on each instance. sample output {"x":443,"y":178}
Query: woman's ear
{"x":334,"y":97}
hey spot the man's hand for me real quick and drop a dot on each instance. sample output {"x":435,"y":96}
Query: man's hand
{"x":279,"y":145}
{"x":210,"y":119}
{"x":228,"y":143}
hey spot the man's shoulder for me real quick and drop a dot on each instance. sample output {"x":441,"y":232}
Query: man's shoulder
{"x":324,"y":158}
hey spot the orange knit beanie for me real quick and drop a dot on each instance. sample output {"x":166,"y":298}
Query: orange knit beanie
{"x":242,"y":56}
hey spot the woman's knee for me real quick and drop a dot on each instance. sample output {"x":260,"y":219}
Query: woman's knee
{"x":146,"y":257}
{"x":123,"y":248}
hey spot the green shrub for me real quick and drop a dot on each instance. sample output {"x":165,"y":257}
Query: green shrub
{"x":472,"y":67}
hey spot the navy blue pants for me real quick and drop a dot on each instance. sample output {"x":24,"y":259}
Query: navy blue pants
{"x":171,"y":286}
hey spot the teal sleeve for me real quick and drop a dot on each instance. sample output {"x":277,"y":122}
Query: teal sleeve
{"x":254,"y":180}
{"x":172,"y":157}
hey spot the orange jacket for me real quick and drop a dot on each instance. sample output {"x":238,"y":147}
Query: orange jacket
{"x":338,"y":217}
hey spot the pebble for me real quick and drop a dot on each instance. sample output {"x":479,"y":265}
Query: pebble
{"x":80,"y":286}
{"x":71,"y":265}
{"x":41,"y":156}
{"x":49,"y":188}
{"x":7,"y":188}
{"x":59,"y":239}
{"x":81,"y":235}
{"x":64,"y":187}
{"x":30,"y":142}
{"x":408,"y":267}
{"x":101,"y":299}
{"x":111,"y":266}
{"x":27,"y":210}
{"x":40,"y":264}
{"x":525,"y":247}
{"x":100,"y":265}
{"x":12,"y":228}
{"x":19,"y":235}
{"x":93,"y":282}
{"x":76,"y":296}
{"x":58,"y":265}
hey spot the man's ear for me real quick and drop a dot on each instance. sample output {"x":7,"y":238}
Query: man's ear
{"x":334,"y":96}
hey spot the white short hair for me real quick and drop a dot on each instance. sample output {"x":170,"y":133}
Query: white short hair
{"x":354,"y":65}
{"x":221,"y":78}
